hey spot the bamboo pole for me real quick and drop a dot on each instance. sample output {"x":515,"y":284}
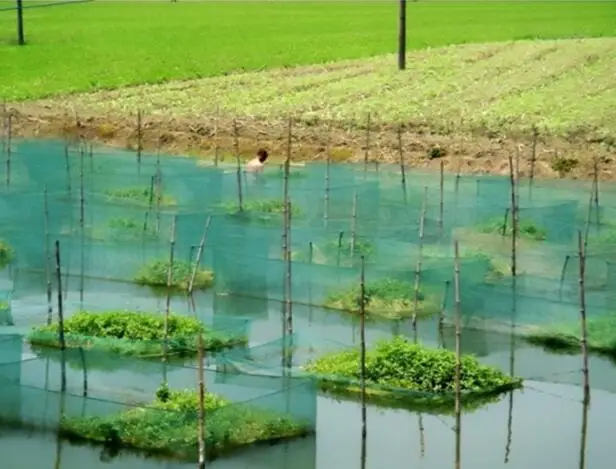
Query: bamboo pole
{"x":159,"y":191}
{"x":441,"y":205}
{"x":514,"y":217}
{"x":150,"y":204}
{"x":353,"y":226}
{"x":82,"y":223}
{"x":367,"y":148}
{"x":4,"y":124}
{"x":443,"y":311}
{"x":206,"y":230}
{"x":169,"y":284}
{"x":67,"y":165}
{"x":458,"y":391}
{"x":216,"y":143}
{"x":9,"y":151}
{"x":422,"y":221}
{"x":402,"y":164}
{"x":61,"y":318}
{"x":533,"y":159}
{"x":84,"y":367}
{"x":328,"y":165}
{"x":362,"y":345}
{"x":91,"y":157}
{"x":584,"y":330}
{"x":236,"y":144}
{"x":201,"y":384}
{"x":596,"y":192}
{"x":584,"y":431}
{"x":139,"y":139}
{"x":288,"y":277}
{"x":47,"y":257}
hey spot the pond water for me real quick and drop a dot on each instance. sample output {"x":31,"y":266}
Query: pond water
{"x":537,"y":427}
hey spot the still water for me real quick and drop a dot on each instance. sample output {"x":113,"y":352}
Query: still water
{"x":537,"y":427}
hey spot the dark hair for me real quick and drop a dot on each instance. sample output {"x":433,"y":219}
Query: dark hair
{"x":262,"y":154}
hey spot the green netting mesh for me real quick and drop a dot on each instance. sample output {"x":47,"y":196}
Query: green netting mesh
{"x":112,"y":215}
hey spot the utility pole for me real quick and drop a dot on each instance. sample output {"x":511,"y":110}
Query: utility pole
{"x":402,"y":37}
{"x":20,"y":23}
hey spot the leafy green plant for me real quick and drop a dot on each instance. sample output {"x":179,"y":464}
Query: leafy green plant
{"x":526,"y":229}
{"x":411,"y":374}
{"x":388,"y":298}
{"x":133,"y":333}
{"x":563,"y":165}
{"x":139,"y":196}
{"x":155,"y":274}
{"x":130,"y":228}
{"x":169,"y":426}
{"x":6,"y":254}
{"x":601,"y":336}
{"x":335,"y":253}
{"x":263,"y":210}
{"x":5,"y":306}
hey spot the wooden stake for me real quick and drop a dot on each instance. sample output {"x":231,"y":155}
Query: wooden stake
{"x":61,"y":318}
{"x":169,"y":284}
{"x":67,"y":163}
{"x":584,"y":330}
{"x":514,"y":217}
{"x":288,"y":278}
{"x":441,"y":207}
{"x":4,"y":124}
{"x":199,"y":255}
{"x":91,"y":157}
{"x":216,"y":144}
{"x":150,"y":204}
{"x":533,"y":159}
{"x":159,"y":191}
{"x":353,"y":226}
{"x":402,"y":165}
{"x":362,"y":344}
{"x":327,"y":181}
{"x":82,"y":223}
{"x":596,"y":192}
{"x":584,"y":431}
{"x":84,"y":367}
{"x":458,"y":406}
{"x":236,"y":144}
{"x":201,"y":381}
{"x":367,"y":149}
{"x":443,"y":312}
{"x":47,"y":257}
{"x":422,"y":222}
{"x":9,"y":151}
{"x":139,"y":139}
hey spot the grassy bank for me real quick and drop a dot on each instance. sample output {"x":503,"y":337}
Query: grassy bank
{"x":169,"y":426}
{"x":83,"y":47}
{"x":406,"y":375}
{"x":133,"y":333}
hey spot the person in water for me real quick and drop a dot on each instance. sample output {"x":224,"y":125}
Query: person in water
{"x":257,"y":164}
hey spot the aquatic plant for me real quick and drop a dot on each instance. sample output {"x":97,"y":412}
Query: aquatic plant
{"x":6,"y":254}
{"x":133,"y":333}
{"x":387,"y":298}
{"x":404,"y":374}
{"x":601,"y":336}
{"x":527,"y":229}
{"x":138,"y":196}
{"x":169,"y":426}
{"x":130,"y":228}
{"x":263,"y":210}
{"x":155,"y":274}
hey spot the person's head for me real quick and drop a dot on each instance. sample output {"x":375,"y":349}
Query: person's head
{"x":262,"y":155}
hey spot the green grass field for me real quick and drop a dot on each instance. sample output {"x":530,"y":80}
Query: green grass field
{"x":89,"y":46}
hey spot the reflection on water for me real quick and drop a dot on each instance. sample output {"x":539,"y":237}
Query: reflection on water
{"x":543,"y":425}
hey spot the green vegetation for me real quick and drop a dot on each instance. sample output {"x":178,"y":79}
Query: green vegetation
{"x":138,"y":196}
{"x":335,"y":253}
{"x":5,"y":306}
{"x":198,"y":39}
{"x":131,"y":228}
{"x":387,"y":298}
{"x":566,"y":337}
{"x":169,"y":426}
{"x":403,"y":374}
{"x":263,"y":210}
{"x":527,"y":229}
{"x":155,"y":274}
{"x":132,"y":333}
{"x":6,"y":254}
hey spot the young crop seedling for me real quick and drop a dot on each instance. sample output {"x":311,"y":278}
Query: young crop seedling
{"x":265,"y":210}
{"x":403,"y":374}
{"x":527,"y":229}
{"x":6,"y":254}
{"x":131,"y":228}
{"x":387,"y":298}
{"x":168,"y":426}
{"x":142,"y":196}
{"x":133,"y":333}
{"x":155,"y":273}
